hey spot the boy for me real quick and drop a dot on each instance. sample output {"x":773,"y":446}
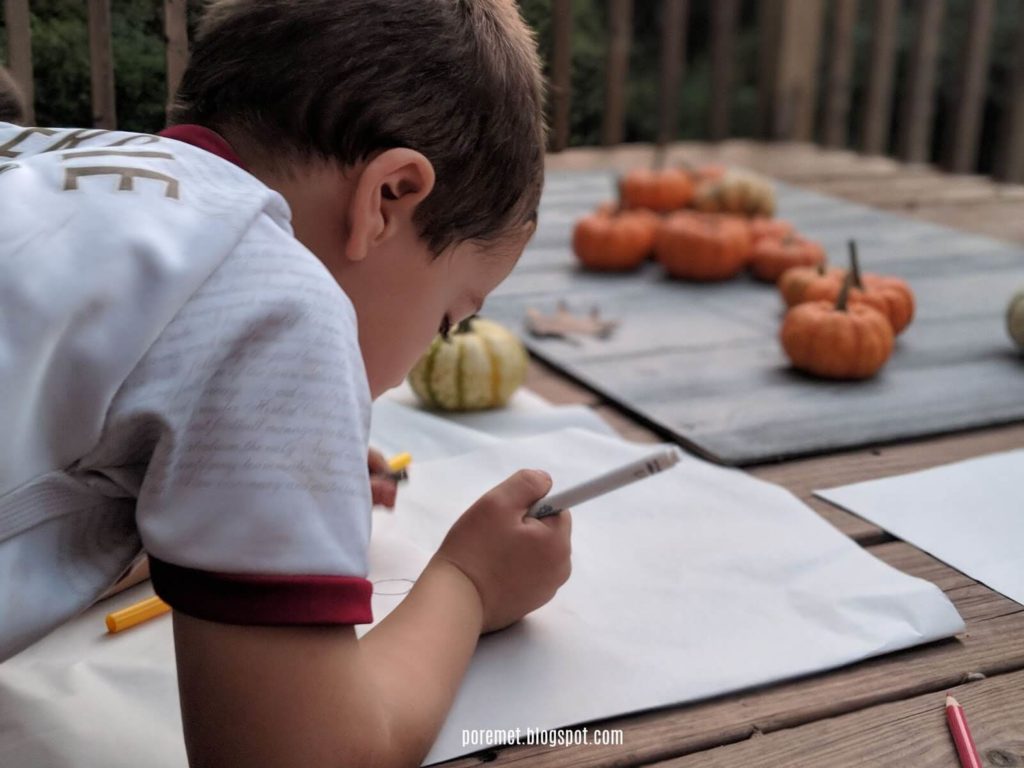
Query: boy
{"x":192,"y":328}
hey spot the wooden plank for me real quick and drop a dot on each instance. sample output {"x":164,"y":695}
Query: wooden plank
{"x":912,"y":732}
{"x":996,"y":219}
{"x":556,"y":388}
{"x":878,"y":106}
{"x":964,"y":120}
{"x":1010,"y":154}
{"x":176,"y":34}
{"x":620,"y":35}
{"x":19,"y":52}
{"x":101,"y":65}
{"x":794,"y":97}
{"x":674,"y":18}
{"x":802,"y":477}
{"x":919,"y":105}
{"x":992,"y":645}
{"x":920,"y":191}
{"x":627,"y":427}
{"x":724,"y":16}
{"x":769,"y":26}
{"x":835,"y":132}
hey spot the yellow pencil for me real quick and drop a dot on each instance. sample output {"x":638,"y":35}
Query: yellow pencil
{"x":142,"y":611}
{"x":398,"y":464}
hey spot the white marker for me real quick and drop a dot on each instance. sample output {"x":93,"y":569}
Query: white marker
{"x":602,"y":484}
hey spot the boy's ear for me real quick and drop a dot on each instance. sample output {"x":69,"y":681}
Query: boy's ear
{"x":386,"y":194}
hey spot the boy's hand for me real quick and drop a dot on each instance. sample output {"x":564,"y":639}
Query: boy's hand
{"x":516,"y":563}
{"x":383,"y":488}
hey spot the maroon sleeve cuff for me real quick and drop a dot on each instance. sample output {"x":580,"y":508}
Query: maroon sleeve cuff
{"x":241,"y":598}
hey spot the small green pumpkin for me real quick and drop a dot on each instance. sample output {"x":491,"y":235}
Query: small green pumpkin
{"x":1015,"y":319}
{"x":478,"y":367}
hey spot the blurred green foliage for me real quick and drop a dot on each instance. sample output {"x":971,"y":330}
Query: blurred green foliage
{"x":61,"y":58}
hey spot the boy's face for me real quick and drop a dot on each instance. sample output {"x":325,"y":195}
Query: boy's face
{"x":360,"y":224}
{"x":404,"y":295}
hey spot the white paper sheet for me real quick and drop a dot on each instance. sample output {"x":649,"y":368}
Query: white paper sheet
{"x":696,"y":582}
{"x":400,"y":423}
{"x":969,"y":514}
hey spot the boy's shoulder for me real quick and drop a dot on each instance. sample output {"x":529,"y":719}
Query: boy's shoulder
{"x":104,"y":239}
{"x":101,"y":170}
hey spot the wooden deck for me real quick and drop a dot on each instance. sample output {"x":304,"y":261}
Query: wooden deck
{"x":886,"y":711}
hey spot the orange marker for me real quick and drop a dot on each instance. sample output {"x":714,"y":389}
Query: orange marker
{"x":136,"y":614}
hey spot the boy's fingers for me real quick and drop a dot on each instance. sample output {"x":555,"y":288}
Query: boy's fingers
{"x":377,"y":463}
{"x":383,"y":491}
{"x":520,"y":490}
{"x":560,"y":523}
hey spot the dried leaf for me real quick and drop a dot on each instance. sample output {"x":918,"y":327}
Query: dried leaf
{"x":564,"y":324}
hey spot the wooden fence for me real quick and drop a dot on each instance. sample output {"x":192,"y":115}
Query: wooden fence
{"x":790,"y":35}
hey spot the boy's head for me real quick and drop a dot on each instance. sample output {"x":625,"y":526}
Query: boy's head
{"x":407,"y":136}
{"x":12,"y":105}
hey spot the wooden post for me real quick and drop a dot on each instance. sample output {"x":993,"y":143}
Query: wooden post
{"x":724,"y":14}
{"x":878,"y":108}
{"x":835,"y":132}
{"x":101,"y":65}
{"x":791,"y":94}
{"x":965,"y":112}
{"x":674,"y":15}
{"x":176,"y":37}
{"x":1010,"y":152}
{"x":561,"y":73}
{"x":768,"y":22}
{"x":19,"y":52}
{"x":915,"y":130}
{"x":620,"y":33}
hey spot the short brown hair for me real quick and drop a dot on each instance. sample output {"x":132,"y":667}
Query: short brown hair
{"x":458,"y":80}
{"x":12,"y":104}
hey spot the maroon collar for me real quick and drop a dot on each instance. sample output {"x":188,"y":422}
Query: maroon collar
{"x":204,"y":138}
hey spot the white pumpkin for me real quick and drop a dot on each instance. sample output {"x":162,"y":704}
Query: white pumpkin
{"x":739,"y":192}
{"x":479,"y":367}
{"x":1015,"y":319}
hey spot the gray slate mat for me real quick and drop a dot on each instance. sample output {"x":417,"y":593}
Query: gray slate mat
{"x":702,"y":365}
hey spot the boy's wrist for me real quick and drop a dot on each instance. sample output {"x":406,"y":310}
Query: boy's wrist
{"x":461,"y":583}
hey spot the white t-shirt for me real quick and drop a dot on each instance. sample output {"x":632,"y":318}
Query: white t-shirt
{"x":177,"y":372}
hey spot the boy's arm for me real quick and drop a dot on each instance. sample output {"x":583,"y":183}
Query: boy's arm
{"x":317,"y":696}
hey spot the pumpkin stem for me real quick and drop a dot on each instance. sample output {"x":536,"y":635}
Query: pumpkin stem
{"x":466,"y":326}
{"x":855,"y":265}
{"x":844,"y":293}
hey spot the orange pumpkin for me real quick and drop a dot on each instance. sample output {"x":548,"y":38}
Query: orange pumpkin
{"x":610,"y":240}
{"x":703,"y":247}
{"x":772,"y":256}
{"x":762,"y":226}
{"x":837,"y":341}
{"x":889,"y":295}
{"x":793,"y":283}
{"x":662,"y":191}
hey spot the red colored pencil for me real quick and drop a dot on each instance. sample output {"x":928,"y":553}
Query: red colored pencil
{"x":957,"y":721}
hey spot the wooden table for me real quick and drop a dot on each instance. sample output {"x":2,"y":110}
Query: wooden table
{"x":886,"y":711}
